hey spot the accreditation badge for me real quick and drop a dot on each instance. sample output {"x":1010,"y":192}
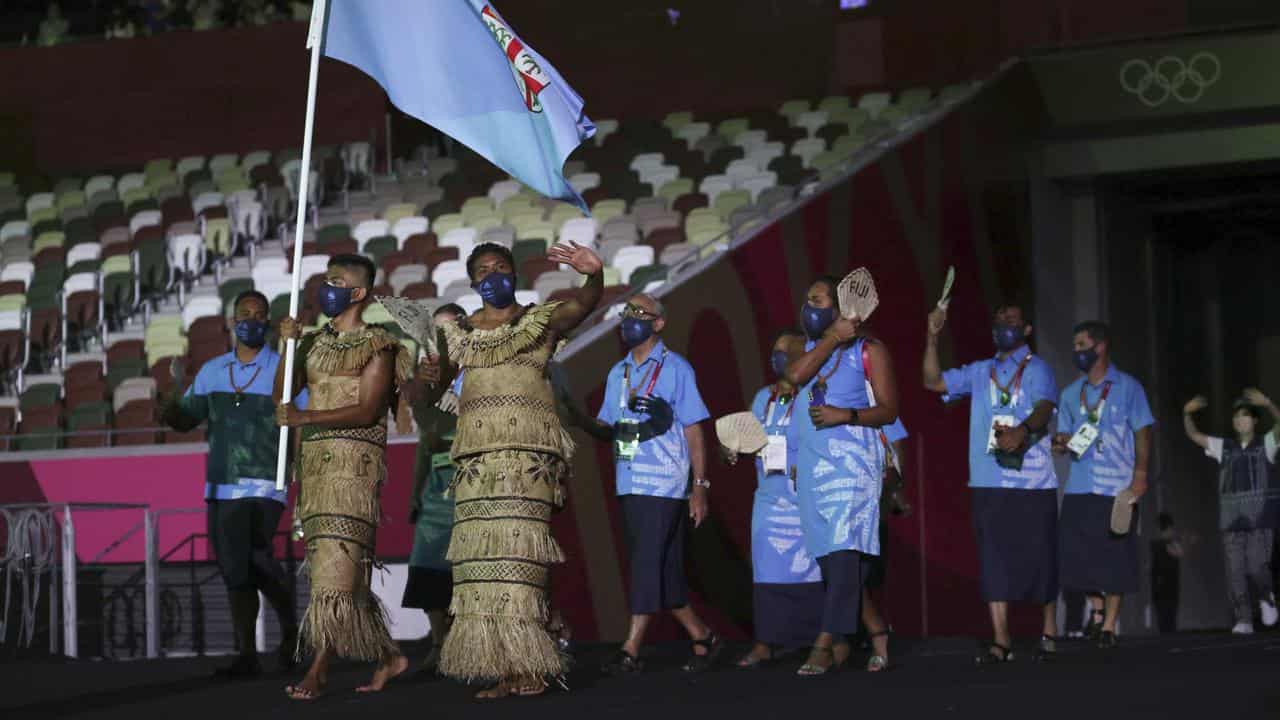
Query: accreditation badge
{"x":627,"y":439}
{"x":1005,"y":421}
{"x":775,"y":455}
{"x":1084,"y":438}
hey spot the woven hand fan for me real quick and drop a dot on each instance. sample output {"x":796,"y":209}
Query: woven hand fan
{"x":742,"y":433}
{"x":857,"y":294}
{"x":1122,"y":512}
{"x":415,"y":318}
{"x":946,"y":288}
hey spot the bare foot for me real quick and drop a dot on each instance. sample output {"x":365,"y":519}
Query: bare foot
{"x":311,"y":688}
{"x":497,"y":691}
{"x":385,"y":673}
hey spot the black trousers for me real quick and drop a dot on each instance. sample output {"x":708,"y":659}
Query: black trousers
{"x":241,"y":532}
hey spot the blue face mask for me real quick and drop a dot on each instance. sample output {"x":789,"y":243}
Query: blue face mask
{"x":497,"y":289}
{"x":816,"y":320}
{"x":1006,"y":337}
{"x":635,"y":331}
{"x":253,"y":333}
{"x":778,"y":361}
{"x":333,"y":300}
{"x":1085,"y":359}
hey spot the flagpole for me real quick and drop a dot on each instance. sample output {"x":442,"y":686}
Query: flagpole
{"x":315,"y":36}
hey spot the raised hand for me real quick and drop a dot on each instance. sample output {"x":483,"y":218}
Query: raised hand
{"x":579,"y":257}
{"x":1254,"y":396}
{"x":1195,"y":404}
{"x":937,"y":321}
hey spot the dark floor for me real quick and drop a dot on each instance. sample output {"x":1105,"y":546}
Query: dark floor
{"x":1203,"y":676}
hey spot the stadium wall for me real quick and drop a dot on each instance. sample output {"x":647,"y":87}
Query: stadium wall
{"x":950,"y":195}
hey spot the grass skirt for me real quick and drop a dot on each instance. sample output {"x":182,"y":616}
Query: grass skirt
{"x":502,"y":551}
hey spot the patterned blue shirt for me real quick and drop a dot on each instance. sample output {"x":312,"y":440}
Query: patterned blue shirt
{"x":1107,"y":466}
{"x":974,"y":380}
{"x":660,"y":467}
{"x":235,"y":398}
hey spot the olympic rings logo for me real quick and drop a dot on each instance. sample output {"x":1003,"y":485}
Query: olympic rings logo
{"x":1170,"y":77}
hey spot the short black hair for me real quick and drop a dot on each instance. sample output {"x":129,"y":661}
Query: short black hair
{"x":1023,"y":307}
{"x":786,"y":332}
{"x":453,"y":308}
{"x":1252,"y":410}
{"x":349,"y":261}
{"x":832,"y":282}
{"x":1097,"y":330}
{"x":489,"y":249}
{"x":251,"y":294}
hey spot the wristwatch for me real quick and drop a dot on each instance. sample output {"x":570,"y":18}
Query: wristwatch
{"x":702,"y":483}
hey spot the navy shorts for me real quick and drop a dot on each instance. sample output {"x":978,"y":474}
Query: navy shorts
{"x":655,"y":530}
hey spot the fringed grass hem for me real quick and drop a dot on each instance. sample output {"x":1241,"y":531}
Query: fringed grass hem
{"x":486,"y":648}
{"x":351,"y":627}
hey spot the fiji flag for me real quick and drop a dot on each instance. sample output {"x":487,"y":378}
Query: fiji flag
{"x":457,"y":66}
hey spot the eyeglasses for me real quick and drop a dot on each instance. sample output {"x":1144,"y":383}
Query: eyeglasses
{"x":635,"y":311}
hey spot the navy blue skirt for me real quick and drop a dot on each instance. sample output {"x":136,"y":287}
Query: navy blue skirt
{"x":789,"y":615}
{"x":1095,"y":560}
{"x":1016,"y":532}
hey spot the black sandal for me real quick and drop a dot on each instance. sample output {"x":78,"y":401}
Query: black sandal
{"x":623,"y":663}
{"x":712,"y":644}
{"x":1107,"y":640}
{"x":1047,"y":648}
{"x":1093,"y":630}
{"x":986,"y":656}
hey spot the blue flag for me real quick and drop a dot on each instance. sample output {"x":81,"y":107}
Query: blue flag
{"x":457,"y":66}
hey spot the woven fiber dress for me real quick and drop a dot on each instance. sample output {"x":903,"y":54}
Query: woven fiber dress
{"x":511,"y":457}
{"x":342,"y":472}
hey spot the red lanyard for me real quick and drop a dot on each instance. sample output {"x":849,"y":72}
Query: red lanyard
{"x":1015,"y":382}
{"x":628,"y":394}
{"x":1094,"y":414}
{"x":768,"y":415}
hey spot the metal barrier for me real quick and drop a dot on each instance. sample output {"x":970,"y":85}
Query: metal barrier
{"x":39,"y":551}
{"x":33,"y":555}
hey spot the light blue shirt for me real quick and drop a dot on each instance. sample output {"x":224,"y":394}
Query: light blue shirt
{"x":1037,"y":385}
{"x":1107,"y":466}
{"x":660,"y":467}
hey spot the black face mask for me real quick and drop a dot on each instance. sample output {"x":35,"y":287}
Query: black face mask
{"x":1085,"y":359}
{"x":816,"y":320}
{"x":1006,"y":337}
